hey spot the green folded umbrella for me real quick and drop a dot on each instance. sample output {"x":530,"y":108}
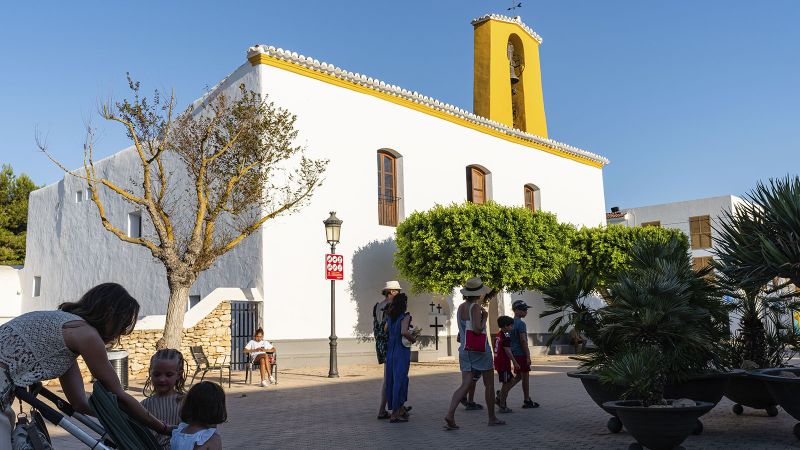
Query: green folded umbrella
{"x":123,"y":430}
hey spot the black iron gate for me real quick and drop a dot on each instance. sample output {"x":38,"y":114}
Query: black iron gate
{"x":244,"y":321}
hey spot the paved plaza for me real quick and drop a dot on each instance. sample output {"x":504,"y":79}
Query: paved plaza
{"x":308,"y":410}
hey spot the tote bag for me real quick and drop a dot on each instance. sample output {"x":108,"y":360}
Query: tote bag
{"x":476,"y":342}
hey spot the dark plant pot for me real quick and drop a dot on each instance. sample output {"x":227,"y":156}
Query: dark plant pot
{"x":658,"y":428}
{"x":708,"y":387}
{"x":601,"y":394}
{"x":786,"y":391}
{"x":705,"y":388}
{"x":747,"y":390}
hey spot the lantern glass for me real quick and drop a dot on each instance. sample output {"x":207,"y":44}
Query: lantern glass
{"x":333,"y":227}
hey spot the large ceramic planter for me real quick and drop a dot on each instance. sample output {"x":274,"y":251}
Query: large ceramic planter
{"x":747,"y":390}
{"x":705,"y":388}
{"x":600,"y":394}
{"x":708,"y":387}
{"x":785,"y":390}
{"x":658,"y":428}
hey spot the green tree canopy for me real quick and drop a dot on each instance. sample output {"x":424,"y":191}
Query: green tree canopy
{"x":510,"y":248}
{"x":14,"y":192}
{"x":605,"y":251}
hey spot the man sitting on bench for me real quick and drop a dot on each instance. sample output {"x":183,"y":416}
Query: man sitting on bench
{"x":262,"y":353}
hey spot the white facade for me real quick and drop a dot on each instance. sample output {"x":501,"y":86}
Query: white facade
{"x":283,"y":263}
{"x":677,"y":214}
{"x":10,"y":293}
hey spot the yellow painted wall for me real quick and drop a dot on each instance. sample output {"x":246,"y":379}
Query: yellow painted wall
{"x":492,"y":85}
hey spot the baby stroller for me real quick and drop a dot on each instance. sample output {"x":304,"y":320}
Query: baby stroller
{"x":116,"y":429}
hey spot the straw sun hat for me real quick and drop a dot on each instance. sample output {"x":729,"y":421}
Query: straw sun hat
{"x":474,"y":287}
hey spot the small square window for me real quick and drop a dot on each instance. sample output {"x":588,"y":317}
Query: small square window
{"x":79,"y":197}
{"x":135,"y":224}
{"x":193,"y":301}
{"x":37,"y":286}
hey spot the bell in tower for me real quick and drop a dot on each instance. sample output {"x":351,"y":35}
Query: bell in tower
{"x":511,"y":65}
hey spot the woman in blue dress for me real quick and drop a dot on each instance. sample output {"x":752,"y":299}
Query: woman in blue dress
{"x":398,"y":357}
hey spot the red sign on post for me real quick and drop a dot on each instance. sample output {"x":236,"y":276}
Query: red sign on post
{"x":334,"y":267}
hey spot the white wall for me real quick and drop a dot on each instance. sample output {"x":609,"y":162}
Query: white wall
{"x":10,"y":293}
{"x":349,"y":128}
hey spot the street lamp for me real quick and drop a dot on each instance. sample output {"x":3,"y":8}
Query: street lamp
{"x":333,"y":227}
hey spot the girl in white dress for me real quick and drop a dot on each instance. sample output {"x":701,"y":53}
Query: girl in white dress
{"x":202,"y":409}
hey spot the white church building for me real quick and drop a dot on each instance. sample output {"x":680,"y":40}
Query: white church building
{"x":391,"y":152}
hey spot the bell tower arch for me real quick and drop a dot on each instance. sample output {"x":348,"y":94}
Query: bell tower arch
{"x":507,"y":86}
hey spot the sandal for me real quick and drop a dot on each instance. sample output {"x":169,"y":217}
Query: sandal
{"x":497,"y":423}
{"x":527,"y":404}
{"x":450,"y":424}
{"x":504,"y":409}
{"x":472,"y":406}
{"x":384,"y":415}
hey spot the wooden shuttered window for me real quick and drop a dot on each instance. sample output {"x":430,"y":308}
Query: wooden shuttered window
{"x":387,"y":189}
{"x":476,"y":185}
{"x":530,"y":198}
{"x":654,"y":223}
{"x":701,"y":262}
{"x":700,"y":231}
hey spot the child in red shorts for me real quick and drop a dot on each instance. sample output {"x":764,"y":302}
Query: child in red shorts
{"x":503,"y":359}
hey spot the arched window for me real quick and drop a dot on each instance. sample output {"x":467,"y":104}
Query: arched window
{"x":478,"y":186}
{"x":387,"y":189}
{"x":532,"y":198}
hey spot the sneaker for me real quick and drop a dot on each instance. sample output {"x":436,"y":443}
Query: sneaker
{"x":264,"y":383}
{"x":272,"y":379}
{"x":472,"y":406}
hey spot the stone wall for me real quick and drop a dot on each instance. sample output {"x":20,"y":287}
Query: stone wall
{"x":213,"y":333}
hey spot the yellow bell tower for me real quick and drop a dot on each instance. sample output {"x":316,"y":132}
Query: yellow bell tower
{"x":508,"y":80}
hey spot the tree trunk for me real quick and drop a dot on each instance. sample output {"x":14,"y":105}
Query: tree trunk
{"x":176,"y":310}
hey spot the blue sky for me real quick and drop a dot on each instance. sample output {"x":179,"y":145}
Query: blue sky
{"x":687,"y":98}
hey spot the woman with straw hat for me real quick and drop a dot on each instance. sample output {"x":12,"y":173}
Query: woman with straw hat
{"x":474,"y":363}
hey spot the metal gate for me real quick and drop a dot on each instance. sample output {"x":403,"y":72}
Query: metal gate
{"x":244,"y":321}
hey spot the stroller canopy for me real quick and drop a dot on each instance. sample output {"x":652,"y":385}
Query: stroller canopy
{"x":123,"y":430}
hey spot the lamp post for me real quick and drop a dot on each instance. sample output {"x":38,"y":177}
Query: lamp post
{"x":333,"y":227}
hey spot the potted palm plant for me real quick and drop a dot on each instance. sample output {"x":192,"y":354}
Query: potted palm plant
{"x":655,"y":422}
{"x":658,"y":301}
{"x":758,"y":245}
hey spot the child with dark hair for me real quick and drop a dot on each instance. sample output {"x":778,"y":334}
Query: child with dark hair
{"x":201,"y":410}
{"x":503,"y":358}
{"x":166,"y":378}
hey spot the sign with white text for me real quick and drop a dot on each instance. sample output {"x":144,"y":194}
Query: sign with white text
{"x":334,"y":267}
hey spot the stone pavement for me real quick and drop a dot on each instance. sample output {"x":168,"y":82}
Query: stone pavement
{"x":308,"y":410}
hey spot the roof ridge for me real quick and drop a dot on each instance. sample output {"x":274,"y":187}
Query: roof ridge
{"x":416,"y":97}
{"x":515,"y":20}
